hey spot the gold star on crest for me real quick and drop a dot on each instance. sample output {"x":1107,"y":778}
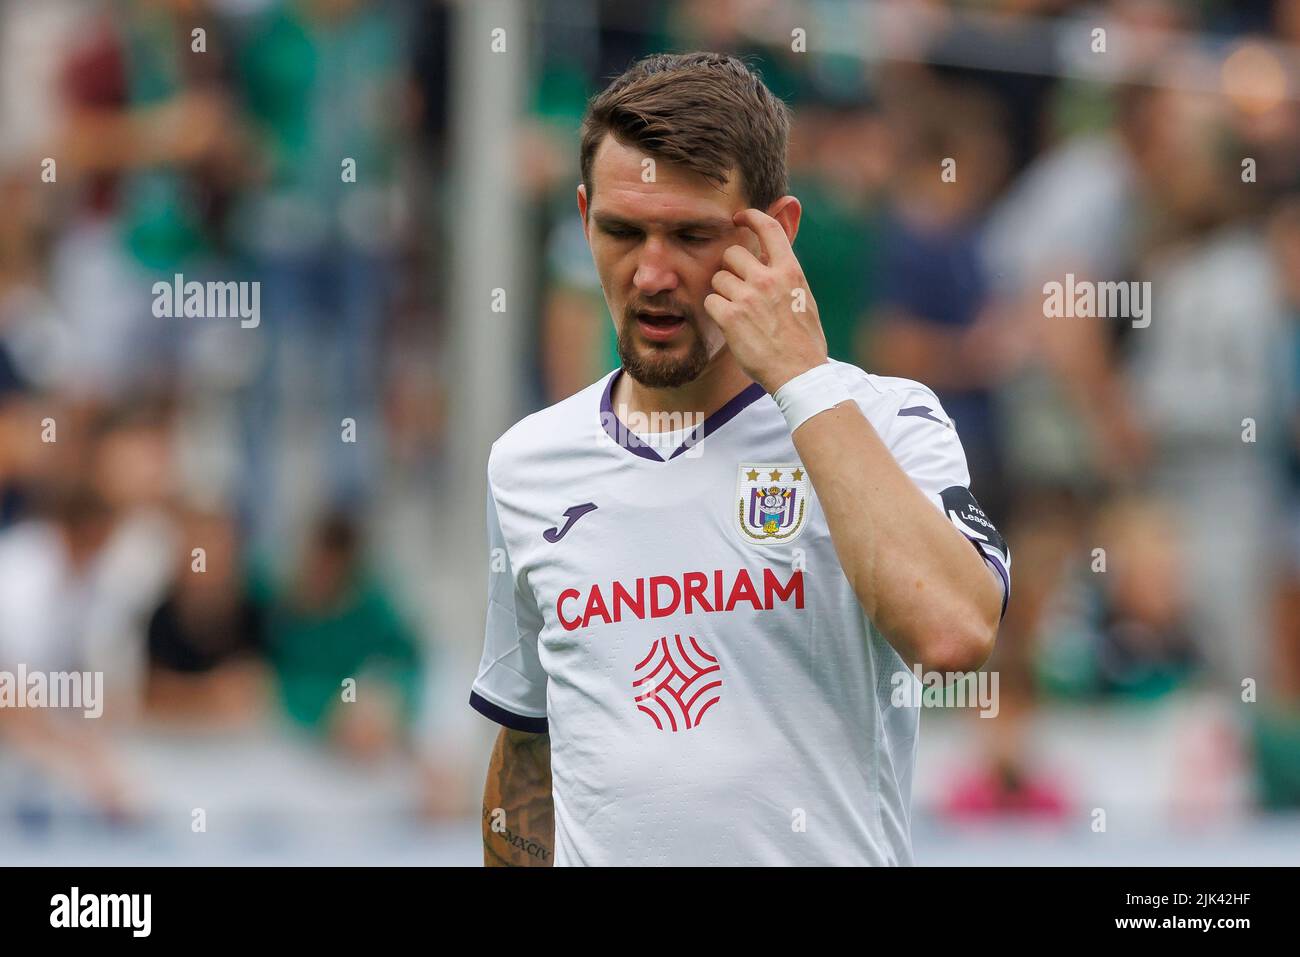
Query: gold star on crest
{"x":775,"y":475}
{"x":796,"y":475}
{"x":752,"y":475}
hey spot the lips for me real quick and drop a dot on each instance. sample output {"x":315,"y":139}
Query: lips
{"x":659,"y":326}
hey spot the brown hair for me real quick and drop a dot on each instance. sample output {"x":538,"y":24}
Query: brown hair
{"x":706,"y":111}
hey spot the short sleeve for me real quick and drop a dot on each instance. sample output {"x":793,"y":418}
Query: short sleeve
{"x":924,"y":442}
{"x":511,"y":684}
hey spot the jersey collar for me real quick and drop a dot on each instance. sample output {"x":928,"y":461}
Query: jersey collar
{"x":627,"y":439}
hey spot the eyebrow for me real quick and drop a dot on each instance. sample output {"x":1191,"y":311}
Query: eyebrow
{"x":715,"y":223}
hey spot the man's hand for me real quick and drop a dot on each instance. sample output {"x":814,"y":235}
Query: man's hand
{"x":764,"y":308}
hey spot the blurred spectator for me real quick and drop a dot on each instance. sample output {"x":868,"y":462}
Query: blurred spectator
{"x":932,"y":322}
{"x":151,"y":148}
{"x":335,"y":624}
{"x":1068,"y":415}
{"x":53,"y":591}
{"x":207,"y":640}
{"x":1285,"y":236}
{"x":577,"y":343}
{"x":839,"y":160}
{"x":1277,"y":727}
{"x":319,"y":227}
{"x":130,"y":466}
{"x":1203,"y":370}
{"x":1122,"y":628}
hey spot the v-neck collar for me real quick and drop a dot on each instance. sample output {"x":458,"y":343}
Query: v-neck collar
{"x":629,"y":440}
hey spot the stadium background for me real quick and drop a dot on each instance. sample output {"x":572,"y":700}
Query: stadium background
{"x":1120,"y":691}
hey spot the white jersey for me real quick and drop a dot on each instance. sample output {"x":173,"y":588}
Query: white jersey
{"x":680,"y":624}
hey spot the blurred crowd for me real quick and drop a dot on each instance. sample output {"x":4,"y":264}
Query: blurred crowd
{"x":188,"y":504}
{"x":198,"y":509}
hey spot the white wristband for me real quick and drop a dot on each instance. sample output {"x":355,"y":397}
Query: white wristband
{"x":810,"y":392}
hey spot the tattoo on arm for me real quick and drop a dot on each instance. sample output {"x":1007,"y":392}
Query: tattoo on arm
{"x":518,"y":810}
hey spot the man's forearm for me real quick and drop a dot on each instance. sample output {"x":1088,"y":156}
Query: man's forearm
{"x":918,"y":581}
{"x":917,"y":578}
{"x":518,"y":809}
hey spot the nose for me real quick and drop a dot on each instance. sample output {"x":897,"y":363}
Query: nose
{"x":654,"y":272}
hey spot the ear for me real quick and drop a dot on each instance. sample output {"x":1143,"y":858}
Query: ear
{"x":787,"y":211}
{"x":582,"y":208}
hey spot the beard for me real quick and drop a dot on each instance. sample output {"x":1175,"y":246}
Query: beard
{"x":657,"y":366}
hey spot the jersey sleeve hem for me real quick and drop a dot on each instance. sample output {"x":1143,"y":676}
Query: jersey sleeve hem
{"x":998,"y":567}
{"x":505,"y":717}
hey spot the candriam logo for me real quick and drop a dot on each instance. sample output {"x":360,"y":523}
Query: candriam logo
{"x":676,"y":683}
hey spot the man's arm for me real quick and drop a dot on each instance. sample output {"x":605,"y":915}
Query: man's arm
{"x":916,"y":577}
{"x":518,"y":810}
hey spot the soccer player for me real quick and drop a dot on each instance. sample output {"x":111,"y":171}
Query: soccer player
{"x":712,"y":568}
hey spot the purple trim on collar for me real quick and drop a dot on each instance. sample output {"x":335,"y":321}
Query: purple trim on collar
{"x":616,"y":430}
{"x":626,"y":438}
{"x":737,"y":404}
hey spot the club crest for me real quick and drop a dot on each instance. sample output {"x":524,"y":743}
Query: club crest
{"x":772,"y":501}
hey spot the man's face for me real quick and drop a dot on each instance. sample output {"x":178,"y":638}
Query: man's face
{"x":656,"y":246}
